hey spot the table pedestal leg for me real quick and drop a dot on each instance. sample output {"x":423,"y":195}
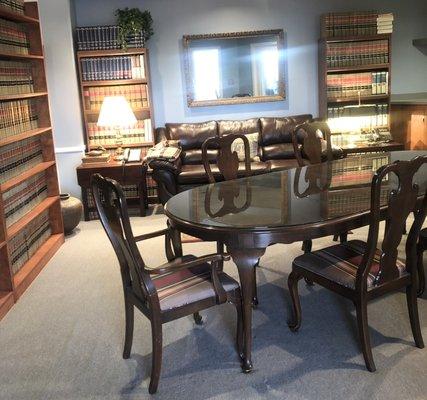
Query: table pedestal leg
{"x":246,"y":260}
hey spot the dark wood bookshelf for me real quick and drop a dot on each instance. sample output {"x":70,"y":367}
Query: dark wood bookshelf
{"x":13,"y":284}
{"x":114,"y":82}
{"x":326,"y":102}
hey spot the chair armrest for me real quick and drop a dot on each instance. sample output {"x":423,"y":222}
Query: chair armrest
{"x":151,"y":235}
{"x":180,"y":263}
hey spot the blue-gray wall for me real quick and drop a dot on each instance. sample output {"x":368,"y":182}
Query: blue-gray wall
{"x":299,"y":19}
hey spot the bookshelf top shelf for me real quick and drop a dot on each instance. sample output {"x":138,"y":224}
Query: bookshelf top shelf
{"x":357,"y":68}
{"x":15,"y":17}
{"x":106,"y":53}
{"x":114,"y":82}
{"x":19,"y":96}
{"x":355,"y":38}
{"x":24,"y":135}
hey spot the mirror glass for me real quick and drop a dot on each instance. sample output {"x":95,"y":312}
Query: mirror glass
{"x":234,"y":68}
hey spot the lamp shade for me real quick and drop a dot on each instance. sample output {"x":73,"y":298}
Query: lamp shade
{"x":116,"y":113}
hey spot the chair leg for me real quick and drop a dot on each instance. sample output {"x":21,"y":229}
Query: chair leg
{"x":307,"y":246}
{"x":156,"y":363}
{"x":343,"y":237}
{"x":198,"y":318}
{"x":420,"y":267}
{"x":363,"y":328}
{"x":129,"y":316}
{"x":255,"y":290}
{"x":239,"y":328}
{"x":411,"y":297}
{"x":295,"y":321}
{"x":220,"y":249}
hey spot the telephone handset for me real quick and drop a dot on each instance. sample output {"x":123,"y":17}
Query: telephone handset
{"x":131,"y":155}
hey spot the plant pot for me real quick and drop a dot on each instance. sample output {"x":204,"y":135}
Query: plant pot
{"x":72,"y":210}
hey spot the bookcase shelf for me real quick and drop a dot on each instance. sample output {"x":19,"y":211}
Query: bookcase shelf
{"x":24,"y":135}
{"x":111,"y":53}
{"x":32,"y":268}
{"x":19,"y":96}
{"x":114,"y":146}
{"x":15,"y":17}
{"x":136,"y":111}
{"x":32,"y":239}
{"x":114,"y":82}
{"x":21,"y":56}
{"x":11,"y":183}
{"x":357,"y":98}
{"x":351,"y":68}
{"x":15,"y":228}
{"x":366,"y":38}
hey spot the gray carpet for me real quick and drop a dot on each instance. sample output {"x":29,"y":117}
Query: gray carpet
{"x":63,"y":339}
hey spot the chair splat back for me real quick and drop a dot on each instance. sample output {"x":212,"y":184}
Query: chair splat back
{"x":227,"y":160}
{"x":112,"y":209}
{"x":402,"y":201}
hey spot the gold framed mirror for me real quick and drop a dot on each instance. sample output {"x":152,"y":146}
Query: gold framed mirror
{"x":234,"y":68}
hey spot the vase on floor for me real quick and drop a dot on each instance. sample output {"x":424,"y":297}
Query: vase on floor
{"x":72,"y":210}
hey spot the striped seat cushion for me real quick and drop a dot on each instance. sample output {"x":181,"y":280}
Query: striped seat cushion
{"x":177,"y":289}
{"x":339,"y":263}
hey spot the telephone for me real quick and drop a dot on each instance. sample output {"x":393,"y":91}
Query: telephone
{"x":131,"y":155}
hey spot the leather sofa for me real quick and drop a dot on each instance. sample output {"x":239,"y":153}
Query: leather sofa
{"x":276,"y":151}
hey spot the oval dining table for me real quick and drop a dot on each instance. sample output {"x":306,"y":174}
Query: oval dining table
{"x":249,"y":214}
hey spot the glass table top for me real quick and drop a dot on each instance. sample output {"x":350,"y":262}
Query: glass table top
{"x":297,"y":196}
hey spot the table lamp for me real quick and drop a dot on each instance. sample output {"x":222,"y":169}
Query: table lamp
{"x":116,"y":113}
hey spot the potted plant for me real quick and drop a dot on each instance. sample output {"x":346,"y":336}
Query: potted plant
{"x":133,"y":22}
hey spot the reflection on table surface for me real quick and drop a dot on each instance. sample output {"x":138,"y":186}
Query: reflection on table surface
{"x":292,"y":197}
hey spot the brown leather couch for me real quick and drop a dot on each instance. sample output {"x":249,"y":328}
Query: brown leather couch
{"x":276,"y":150}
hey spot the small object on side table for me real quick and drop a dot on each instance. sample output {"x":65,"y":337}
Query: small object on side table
{"x":72,"y":211}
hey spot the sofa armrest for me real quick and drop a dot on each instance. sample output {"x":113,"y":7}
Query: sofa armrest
{"x":160,"y":135}
{"x":165,"y":173}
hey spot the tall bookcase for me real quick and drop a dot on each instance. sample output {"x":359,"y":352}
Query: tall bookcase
{"x":118,"y":72}
{"x":354,"y":76}
{"x":31,"y":228}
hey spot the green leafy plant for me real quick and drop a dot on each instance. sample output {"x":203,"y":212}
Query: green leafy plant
{"x":133,"y":22}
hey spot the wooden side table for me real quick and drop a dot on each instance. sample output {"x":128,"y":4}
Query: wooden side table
{"x":125,"y":174}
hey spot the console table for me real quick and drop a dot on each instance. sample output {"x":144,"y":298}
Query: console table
{"x":125,"y":174}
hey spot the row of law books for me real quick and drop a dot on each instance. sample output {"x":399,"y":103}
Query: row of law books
{"x":136,"y":95}
{"x":151,"y":186}
{"x":26,"y":243}
{"x":359,"y":23}
{"x":15,"y":77}
{"x":111,"y":68}
{"x":357,"y":53}
{"x":16,"y":6}
{"x":21,"y":199}
{"x":18,"y":157}
{"x":13,"y":38}
{"x":358,"y":84}
{"x":17,"y":117}
{"x":104,"y":38}
{"x":138,"y":133}
{"x":340,"y":203}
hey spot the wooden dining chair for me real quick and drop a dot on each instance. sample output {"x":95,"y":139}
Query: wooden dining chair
{"x":182,"y":286}
{"x":359,"y":270}
{"x":228,"y":165}
{"x":421,"y":247}
{"x":312,"y":145}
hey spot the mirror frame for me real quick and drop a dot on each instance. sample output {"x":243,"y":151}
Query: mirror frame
{"x":191,"y":102}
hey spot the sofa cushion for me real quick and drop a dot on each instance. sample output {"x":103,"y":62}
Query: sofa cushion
{"x":194,"y":156}
{"x":277,"y":165}
{"x":279,"y":130}
{"x":191,"y":174}
{"x":239,"y":147}
{"x":192,"y":136}
{"x":278,"y":151}
{"x":240,"y":126}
